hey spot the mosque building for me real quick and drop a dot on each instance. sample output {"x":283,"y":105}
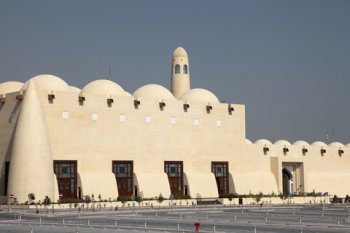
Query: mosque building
{"x":65,"y":143}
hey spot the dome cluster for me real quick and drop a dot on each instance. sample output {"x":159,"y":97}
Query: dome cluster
{"x":48,"y":83}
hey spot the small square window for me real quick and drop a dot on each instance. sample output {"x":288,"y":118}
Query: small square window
{"x":148,"y":119}
{"x":196,"y":121}
{"x":94,"y":116}
{"x":218,"y":123}
{"x":65,"y":115}
{"x":173,"y":120}
{"x":122,"y":118}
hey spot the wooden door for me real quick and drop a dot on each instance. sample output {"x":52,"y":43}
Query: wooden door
{"x":123,"y":171}
{"x":66,"y":173}
{"x":220,"y":170}
{"x":174,"y":170}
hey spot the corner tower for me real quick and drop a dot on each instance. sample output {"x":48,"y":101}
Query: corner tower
{"x":180,"y":74}
{"x":31,"y":168}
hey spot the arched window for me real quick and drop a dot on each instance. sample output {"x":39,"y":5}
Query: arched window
{"x":185,"y":69}
{"x":177,"y":69}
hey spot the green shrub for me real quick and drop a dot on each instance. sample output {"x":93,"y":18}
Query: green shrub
{"x":47,"y":201}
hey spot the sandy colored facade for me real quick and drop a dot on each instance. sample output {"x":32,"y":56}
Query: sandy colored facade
{"x":65,"y":143}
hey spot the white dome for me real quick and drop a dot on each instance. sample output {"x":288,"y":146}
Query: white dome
{"x":336,"y":144}
{"x":153,"y":91}
{"x":301,"y":143}
{"x":199,"y":95}
{"x":48,"y":82}
{"x":104,"y":87}
{"x":248,"y":141}
{"x":319,"y":143}
{"x":263,"y":142}
{"x":8,"y":87}
{"x":282,"y":143}
{"x":179,"y":52}
{"x":74,"y":89}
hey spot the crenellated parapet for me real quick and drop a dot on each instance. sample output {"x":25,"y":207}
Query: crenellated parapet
{"x":300,"y":148}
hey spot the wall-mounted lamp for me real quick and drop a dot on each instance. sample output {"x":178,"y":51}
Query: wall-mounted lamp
{"x":304,"y":150}
{"x":51,"y":96}
{"x":285,"y":150}
{"x":209,"y":108}
{"x":340,"y":152}
{"x":81,"y":99}
{"x":2,"y":99}
{"x":110,"y":101}
{"x":162,"y":105}
{"x":186,"y":107}
{"x":19,"y":97}
{"x":230,"y":109}
{"x":265,"y":149}
{"x":323,"y":151}
{"x":137,"y":103}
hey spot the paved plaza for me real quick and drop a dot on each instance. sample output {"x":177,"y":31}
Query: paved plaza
{"x":246,"y":219}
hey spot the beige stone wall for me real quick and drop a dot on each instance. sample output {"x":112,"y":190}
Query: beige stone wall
{"x":171,"y":135}
{"x":320,"y":173}
{"x":96,"y":143}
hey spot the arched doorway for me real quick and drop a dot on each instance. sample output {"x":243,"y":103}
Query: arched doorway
{"x":287,"y":181}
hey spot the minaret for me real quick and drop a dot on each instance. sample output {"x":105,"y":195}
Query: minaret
{"x":31,"y":165}
{"x":180,"y":74}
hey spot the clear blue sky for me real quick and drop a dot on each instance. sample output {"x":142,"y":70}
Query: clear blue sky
{"x":287,"y":61}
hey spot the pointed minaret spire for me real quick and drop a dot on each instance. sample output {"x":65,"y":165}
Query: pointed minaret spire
{"x":31,"y":165}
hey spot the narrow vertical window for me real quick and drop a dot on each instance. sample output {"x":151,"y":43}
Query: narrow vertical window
{"x":185,"y":69}
{"x":177,"y":69}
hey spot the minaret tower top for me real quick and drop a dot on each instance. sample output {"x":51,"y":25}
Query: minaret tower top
{"x":180,"y":74}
